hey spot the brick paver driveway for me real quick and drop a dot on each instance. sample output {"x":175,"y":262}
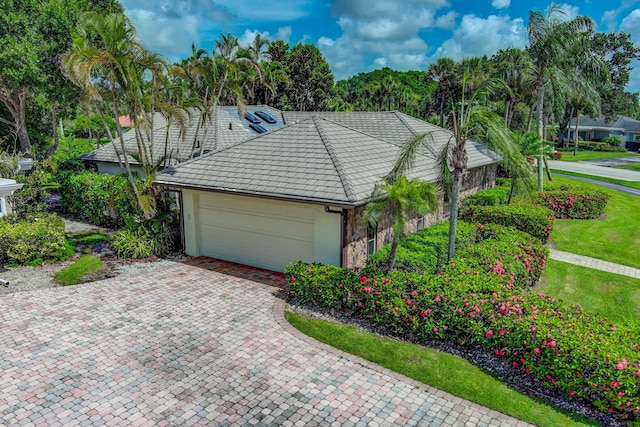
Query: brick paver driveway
{"x":202,"y":343}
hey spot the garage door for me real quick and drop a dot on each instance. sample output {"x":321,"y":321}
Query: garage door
{"x":260,"y":232}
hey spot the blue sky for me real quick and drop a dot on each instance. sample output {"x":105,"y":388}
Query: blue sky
{"x":362,"y":35}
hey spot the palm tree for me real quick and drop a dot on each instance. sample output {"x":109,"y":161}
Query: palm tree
{"x":444,"y":72}
{"x":529,"y":145}
{"x":108,"y":58}
{"x":470,"y":120}
{"x":550,"y":42}
{"x":514,"y":67}
{"x":398,"y":199}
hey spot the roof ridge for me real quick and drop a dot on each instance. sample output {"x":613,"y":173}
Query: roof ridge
{"x":346,"y":185}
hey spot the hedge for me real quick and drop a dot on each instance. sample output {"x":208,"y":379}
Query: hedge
{"x":100,"y":199}
{"x":535,"y":220}
{"x":424,"y":251}
{"x":490,"y":197}
{"x":561,"y":347}
{"x":32,"y":240}
{"x":573,"y":202}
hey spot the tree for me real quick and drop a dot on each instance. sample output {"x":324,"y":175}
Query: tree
{"x":514,"y":67}
{"x":470,"y":120}
{"x":108,"y":59}
{"x":398,"y":199}
{"x":550,"y":41}
{"x":33,"y":35}
{"x":311,"y":80}
{"x":443,"y":71}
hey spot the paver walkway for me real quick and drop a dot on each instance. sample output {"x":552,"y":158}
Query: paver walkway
{"x":201,"y":343}
{"x":594,"y":263}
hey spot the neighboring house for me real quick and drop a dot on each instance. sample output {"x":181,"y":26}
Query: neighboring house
{"x":125,"y":122}
{"x":224,"y":128}
{"x":298,"y":192}
{"x":7,"y":187}
{"x":596,"y":129}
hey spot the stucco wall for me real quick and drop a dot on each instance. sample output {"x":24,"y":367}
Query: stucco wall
{"x":355,"y":252}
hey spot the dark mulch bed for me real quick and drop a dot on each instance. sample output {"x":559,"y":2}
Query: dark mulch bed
{"x":495,"y":366}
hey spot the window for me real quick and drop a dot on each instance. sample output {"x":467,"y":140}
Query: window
{"x":371,"y":238}
{"x":420,"y":223}
{"x":637,"y":138}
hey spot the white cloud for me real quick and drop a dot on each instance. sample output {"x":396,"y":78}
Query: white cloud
{"x":283,"y":33}
{"x":568,"y":11}
{"x":378,"y":33}
{"x":171,"y":26}
{"x":501,"y":4}
{"x":630,"y":25}
{"x":478,"y":36}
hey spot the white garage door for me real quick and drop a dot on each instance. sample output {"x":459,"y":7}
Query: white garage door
{"x":260,"y":232}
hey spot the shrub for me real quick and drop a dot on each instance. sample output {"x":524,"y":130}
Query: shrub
{"x":515,"y":256}
{"x":424,"y":251}
{"x":573,"y":202}
{"x":30,"y":199}
{"x":129,"y":243}
{"x":535,"y":220}
{"x":612,"y":140}
{"x":100,"y":199}
{"x":564,"y":349}
{"x":32,"y":239}
{"x":494,"y":196}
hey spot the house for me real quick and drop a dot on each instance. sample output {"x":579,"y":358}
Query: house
{"x":224,"y":127}
{"x":7,"y":187}
{"x":596,"y":129}
{"x":299,"y":191}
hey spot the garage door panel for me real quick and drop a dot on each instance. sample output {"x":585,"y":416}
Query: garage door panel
{"x":259,"y":232}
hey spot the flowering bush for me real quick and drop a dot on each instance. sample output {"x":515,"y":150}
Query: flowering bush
{"x":472,"y":301}
{"x":535,"y":220}
{"x":571,"y":202}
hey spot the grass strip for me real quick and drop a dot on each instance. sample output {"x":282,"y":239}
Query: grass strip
{"x":630,"y":184}
{"x":437,"y":369}
{"x":610,"y":295}
{"x":614,"y":238}
{"x":84,"y":266}
{"x":567,"y":156}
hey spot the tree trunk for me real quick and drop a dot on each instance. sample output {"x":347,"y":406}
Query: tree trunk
{"x":111,"y":138}
{"x":15,"y":100}
{"x":453,"y":217}
{"x":548,"y":169}
{"x":56,"y":138}
{"x":575,"y":137}
{"x":442,"y":103}
{"x":540,"y":131}
{"x":530,"y":118}
{"x":391,"y":261}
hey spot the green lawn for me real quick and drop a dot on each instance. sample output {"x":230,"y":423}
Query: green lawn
{"x":567,"y":156}
{"x":435,"y":368}
{"x":610,"y":295}
{"x":615,"y":238}
{"x":84,"y":266}
{"x":632,"y":166}
{"x":630,"y":184}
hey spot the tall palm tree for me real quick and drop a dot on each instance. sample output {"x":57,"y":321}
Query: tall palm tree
{"x":550,"y":40}
{"x":470,"y":120}
{"x":108,"y":58}
{"x":398,"y":198}
{"x":514,"y":67}
{"x":444,"y":72}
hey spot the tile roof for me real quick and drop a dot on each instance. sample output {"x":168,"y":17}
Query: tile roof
{"x":228,"y":131}
{"x":622,"y":123}
{"x":333,"y":158}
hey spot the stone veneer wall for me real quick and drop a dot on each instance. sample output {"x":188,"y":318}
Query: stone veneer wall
{"x":355,"y":251}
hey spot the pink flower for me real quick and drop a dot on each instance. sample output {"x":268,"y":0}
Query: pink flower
{"x":572,"y":393}
{"x":293,"y":279}
{"x":408,"y":302}
{"x":622,"y":364}
{"x":536,"y":350}
{"x":488,"y":334}
{"x":437,"y":298}
{"x":364,"y":279}
{"x":551,"y":344}
{"x":615,"y":383}
{"x":435,"y":329}
{"x":367,"y":288}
